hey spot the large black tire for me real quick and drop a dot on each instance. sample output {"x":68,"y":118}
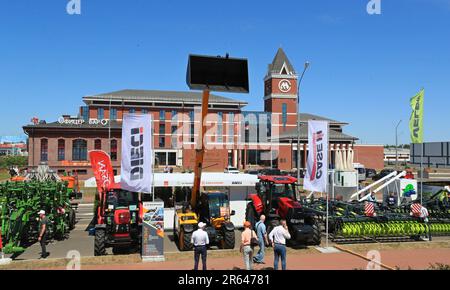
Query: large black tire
{"x":229,"y":240}
{"x":72,"y":219}
{"x":250,"y":213}
{"x":317,"y":233}
{"x":100,"y":242}
{"x":184,"y":240}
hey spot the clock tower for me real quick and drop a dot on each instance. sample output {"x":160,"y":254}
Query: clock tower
{"x":280,"y":90}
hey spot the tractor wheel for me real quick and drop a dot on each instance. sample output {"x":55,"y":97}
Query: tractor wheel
{"x":99,"y":243}
{"x":317,"y":235}
{"x":250,"y":214}
{"x":71,"y":219}
{"x":184,"y":240}
{"x":228,"y":241}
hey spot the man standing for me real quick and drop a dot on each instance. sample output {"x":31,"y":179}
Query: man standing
{"x":391,"y":200}
{"x":421,"y":212}
{"x":261,"y":232}
{"x":200,"y":240}
{"x":42,"y":238}
{"x":278,"y":237}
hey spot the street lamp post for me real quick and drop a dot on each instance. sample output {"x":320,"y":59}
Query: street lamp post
{"x":396,"y":144}
{"x":298,"y":120}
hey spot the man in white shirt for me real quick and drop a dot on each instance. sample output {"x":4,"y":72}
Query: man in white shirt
{"x":200,"y":241}
{"x":278,"y":237}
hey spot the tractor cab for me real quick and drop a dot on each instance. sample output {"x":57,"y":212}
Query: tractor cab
{"x":218,"y":208}
{"x":278,"y":194}
{"x":118,"y":220}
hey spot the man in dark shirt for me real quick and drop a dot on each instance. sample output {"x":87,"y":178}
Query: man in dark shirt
{"x":391,"y":200}
{"x":42,"y":238}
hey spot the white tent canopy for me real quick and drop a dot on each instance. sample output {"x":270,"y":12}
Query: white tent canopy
{"x":187,"y":179}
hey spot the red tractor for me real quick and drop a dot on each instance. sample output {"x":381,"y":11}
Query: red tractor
{"x":118,"y":221}
{"x":276,"y":199}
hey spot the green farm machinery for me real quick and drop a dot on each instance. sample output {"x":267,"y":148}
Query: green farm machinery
{"x":19,"y":206}
{"x":348,"y":222}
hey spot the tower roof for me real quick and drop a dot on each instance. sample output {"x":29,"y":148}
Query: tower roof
{"x":281,"y":62}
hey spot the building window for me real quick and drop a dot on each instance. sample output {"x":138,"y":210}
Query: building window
{"x":85,"y":113}
{"x":144,"y":111}
{"x":165,"y":158}
{"x":162,"y":132}
{"x":174,"y":116}
{"x":162,"y":115}
{"x":219,"y":127}
{"x":98,"y":144}
{"x":113,"y":114}
{"x":284,"y":114}
{"x":132,"y":110}
{"x":100,"y":113}
{"x":192,"y":126}
{"x":113,"y":150}
{"x":162,"y":142}
{"x":171,"y":158}
{"x":231,"y":128}
{"x":61,"y":149}
{"x":192,"y":132}
{"x":174,"y":136}
{"x":79,"y":150}
{"x":44,"y":149}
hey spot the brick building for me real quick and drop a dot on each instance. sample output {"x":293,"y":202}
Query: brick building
{"x":239,"y":138}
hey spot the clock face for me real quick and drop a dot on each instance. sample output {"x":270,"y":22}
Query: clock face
{"x":284,"y":86}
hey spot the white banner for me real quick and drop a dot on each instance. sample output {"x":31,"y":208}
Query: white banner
{"x":317,"y":168}
{"x":137,"y":153}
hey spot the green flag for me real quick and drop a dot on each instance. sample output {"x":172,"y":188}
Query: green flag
{"x":416,"y":120}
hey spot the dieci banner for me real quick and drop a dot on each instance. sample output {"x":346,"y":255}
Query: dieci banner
{"x":153,"y":231}
{"x":317,"y":167}
{"x":136,"y":167}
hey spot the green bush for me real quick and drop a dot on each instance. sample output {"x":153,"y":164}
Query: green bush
{"x":8,"y":161}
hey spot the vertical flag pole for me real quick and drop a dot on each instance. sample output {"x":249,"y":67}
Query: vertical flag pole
{"x":328,"y":194}
{"x":421,"y":176}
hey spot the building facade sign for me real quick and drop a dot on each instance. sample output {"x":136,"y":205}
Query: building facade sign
{"x":103,"y":122}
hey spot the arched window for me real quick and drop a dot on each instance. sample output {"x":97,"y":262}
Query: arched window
{"x":113,"y":150}
{"x":44,"y":149}
{"x":98,"y":144}
{"x":61,"y":149}
{"x":79,"y":150}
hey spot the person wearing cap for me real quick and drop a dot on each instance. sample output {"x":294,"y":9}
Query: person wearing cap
{"x":200,"y":241}
{"x":42,"y":238}
{"x":248,"y":236}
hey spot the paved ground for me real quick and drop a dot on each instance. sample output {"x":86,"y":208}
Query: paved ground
{"x":78,"y":240}
{"x":299,"y":260}
{"x":404,"y":255}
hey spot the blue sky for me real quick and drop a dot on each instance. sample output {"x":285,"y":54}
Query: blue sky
{"x":364,"y":68}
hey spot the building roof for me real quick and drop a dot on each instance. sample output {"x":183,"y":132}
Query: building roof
{"x":333,"y":135}
{"x":279,"y":60}
{"x":58,"y":125}
{"x":304,"y":117}
{"x":162,"y":96}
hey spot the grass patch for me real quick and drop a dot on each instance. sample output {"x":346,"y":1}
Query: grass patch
{"x":4,"y":175}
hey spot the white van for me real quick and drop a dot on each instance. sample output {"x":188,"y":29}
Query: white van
{"x":361,"y":171}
